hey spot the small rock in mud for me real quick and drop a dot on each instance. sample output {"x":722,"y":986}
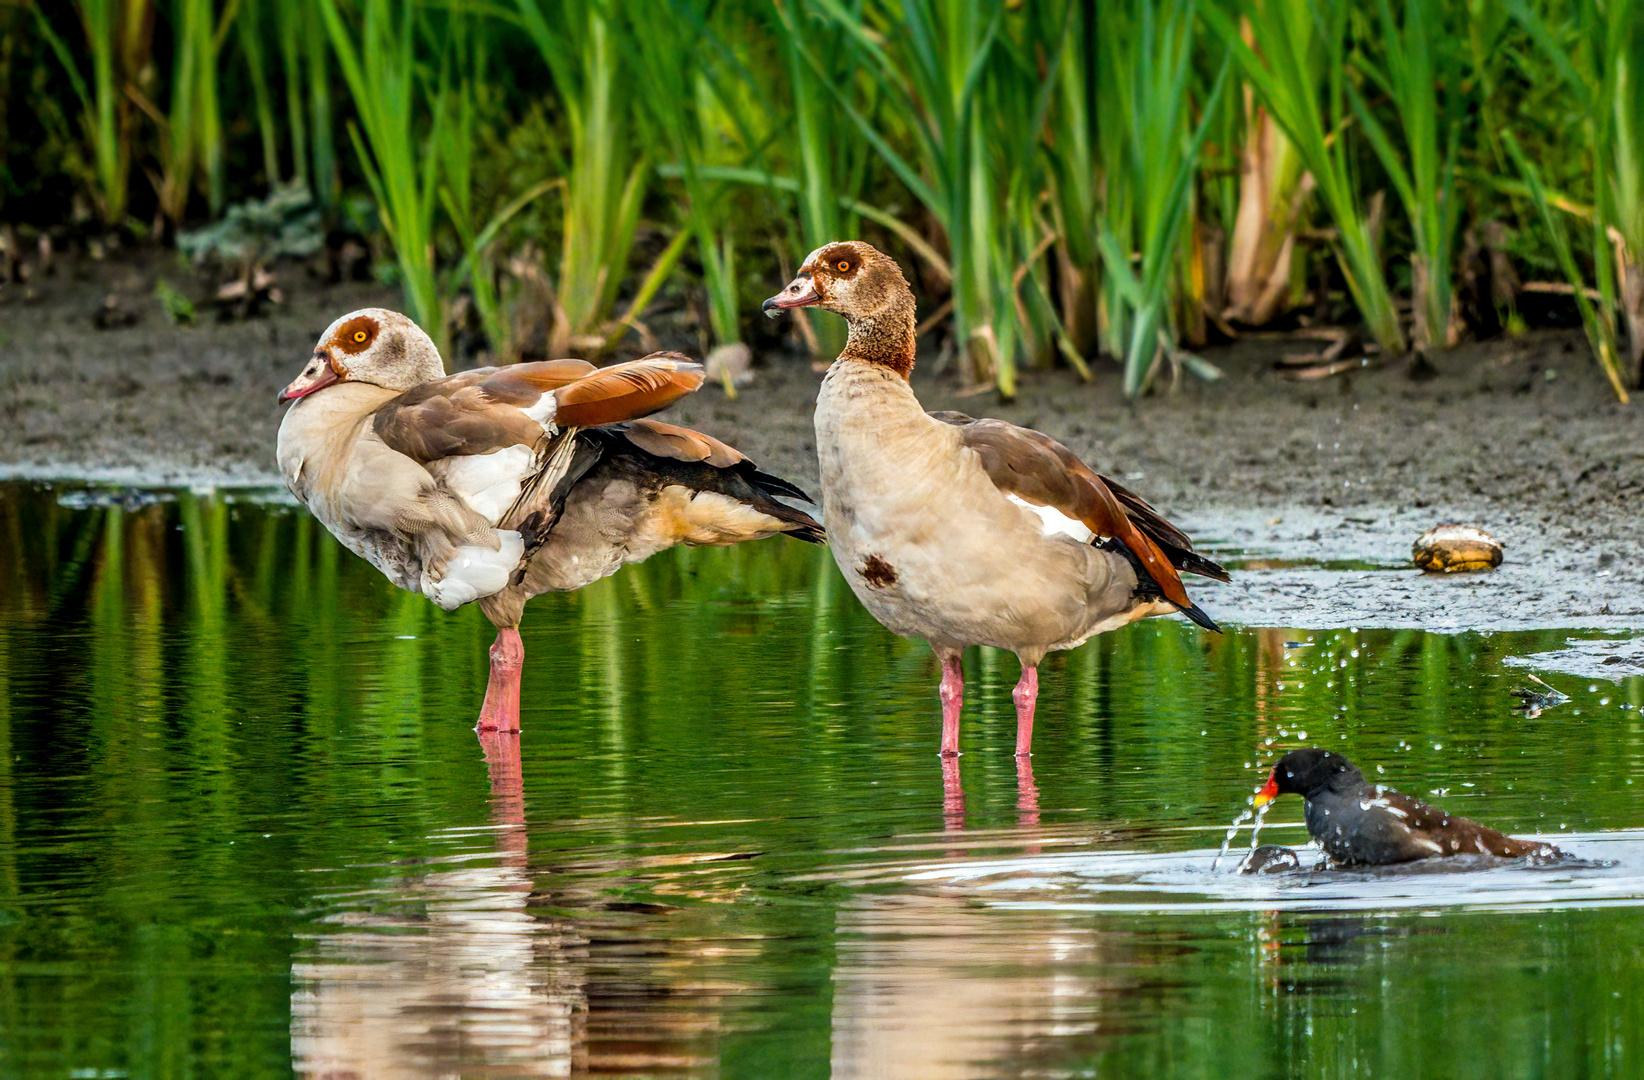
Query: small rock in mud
{"x":1453,"y":547}
{"x":116,"y":313}
{"x":1270,"y":859}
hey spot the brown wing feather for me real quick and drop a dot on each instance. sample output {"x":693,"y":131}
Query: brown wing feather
{"x":1175,"y":545}
{"x":473,"y":412}
{"x":681,"y":444}
{"x":1040,"y":470}
{"x":626,"y":391}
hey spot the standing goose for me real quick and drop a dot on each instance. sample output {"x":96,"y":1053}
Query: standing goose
{"x":501,"y":483}
{"x":962,"y":531}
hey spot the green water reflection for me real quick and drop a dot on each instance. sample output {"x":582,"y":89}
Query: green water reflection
{"x":246,"y":829}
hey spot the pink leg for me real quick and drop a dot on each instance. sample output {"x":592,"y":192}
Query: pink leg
{"x":501,"y":709}
{"x":953,"y":703}
{"x":1026,"y":695}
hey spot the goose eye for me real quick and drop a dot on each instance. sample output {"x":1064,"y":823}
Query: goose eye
{"x":360,"y":335}
{"x":843,"y":266}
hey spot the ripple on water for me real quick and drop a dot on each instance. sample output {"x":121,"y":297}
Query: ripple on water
{"x":1605,"y":870}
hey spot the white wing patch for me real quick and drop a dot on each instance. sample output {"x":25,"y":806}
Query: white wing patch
{"x":1055,"y":522}
{"x":543,"y":411}
{"x":475,"y":571}
{"x":490,"y":482}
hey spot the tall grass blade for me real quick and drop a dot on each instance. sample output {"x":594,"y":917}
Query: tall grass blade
{"x":605,"y":182}
{"x":1599,"y":324}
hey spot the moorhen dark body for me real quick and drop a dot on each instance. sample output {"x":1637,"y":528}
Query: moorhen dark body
{"x":1360,"y":823}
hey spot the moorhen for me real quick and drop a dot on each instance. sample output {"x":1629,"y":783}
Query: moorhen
{"x":498,"y":484}
{"x":1360,"y":823}
{"x":962,"y":531}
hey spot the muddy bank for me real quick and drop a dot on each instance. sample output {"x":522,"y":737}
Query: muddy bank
{"x":1317,"y":487}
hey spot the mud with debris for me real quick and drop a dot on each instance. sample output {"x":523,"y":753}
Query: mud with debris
{"x":1315,"y":489}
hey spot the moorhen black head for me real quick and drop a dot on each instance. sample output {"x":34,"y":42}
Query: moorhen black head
{"x":1360,"y":823}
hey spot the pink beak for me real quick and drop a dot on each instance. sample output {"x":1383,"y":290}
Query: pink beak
{"x":306,"y":384}
{"x":801,"y":292}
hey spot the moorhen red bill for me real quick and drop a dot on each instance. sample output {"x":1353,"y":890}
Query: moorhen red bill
{"x":1360,"y":823}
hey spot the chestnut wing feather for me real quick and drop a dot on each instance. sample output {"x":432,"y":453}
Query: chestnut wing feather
{"x":1038,"y":469}
{"x":473,"y":412}
{"x":626,"y":391}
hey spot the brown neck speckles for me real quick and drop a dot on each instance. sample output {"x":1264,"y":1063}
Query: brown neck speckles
{"x":884,"y":337}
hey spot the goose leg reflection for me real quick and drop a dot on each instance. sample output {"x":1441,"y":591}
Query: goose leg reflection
{"x":953,"y":796}
{"x":1027,"y":794}
{"x":440,"y":967}
{"x":501,"y":749}
{"x":501,"y":709}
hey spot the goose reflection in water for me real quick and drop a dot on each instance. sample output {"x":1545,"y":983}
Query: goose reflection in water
{"x":459,"y":975}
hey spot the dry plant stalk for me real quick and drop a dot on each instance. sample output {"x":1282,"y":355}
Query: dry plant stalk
{"x":1273,"y":192}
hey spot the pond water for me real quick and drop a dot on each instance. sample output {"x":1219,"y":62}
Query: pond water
{"x":247,"y":830}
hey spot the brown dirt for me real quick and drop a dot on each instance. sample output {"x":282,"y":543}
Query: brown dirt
{"x":1521,"y":437}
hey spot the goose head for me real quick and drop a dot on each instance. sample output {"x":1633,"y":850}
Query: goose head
{"x":864,"y":285}
{"x":849,"y":277}
{"x":372,"y":345}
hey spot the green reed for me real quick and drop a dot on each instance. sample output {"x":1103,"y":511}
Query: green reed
{"x":249,"y":33}
{"x":607,"y":174}
{"x":1421,"y":72}
{"x":1596,"y":50}
{"x":190,"y":129}
{"x":1142,"y":86}
{"x":829,"y":162}
{"x":1296,"y":67}
{"x":110,"y":28}
{"x":1070,"y":149}
{"x":379,"y":60}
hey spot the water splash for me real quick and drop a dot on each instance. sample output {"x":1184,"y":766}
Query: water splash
{"x":1227,"y":841}
{"x":1256,"y":827}
{"x":1245,"y":815}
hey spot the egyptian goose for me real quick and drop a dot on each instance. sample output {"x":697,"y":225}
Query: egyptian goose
{"x":969,"y":532}
{"x":501,"y":483}
{"x":1365,"y":824}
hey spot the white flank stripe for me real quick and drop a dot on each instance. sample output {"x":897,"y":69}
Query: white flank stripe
{"x":1056,"y":523}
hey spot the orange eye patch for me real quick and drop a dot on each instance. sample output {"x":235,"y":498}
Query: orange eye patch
{"x":356,"y":335}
